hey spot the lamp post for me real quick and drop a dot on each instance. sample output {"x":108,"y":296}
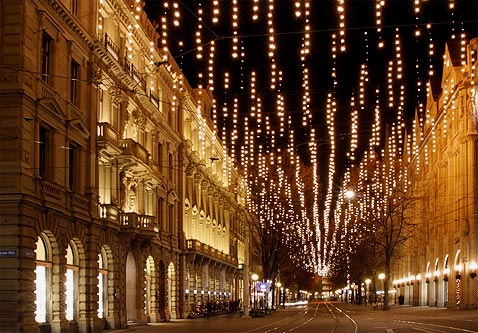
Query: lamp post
{"x":381,"y":276}
{"x":254,"y":278}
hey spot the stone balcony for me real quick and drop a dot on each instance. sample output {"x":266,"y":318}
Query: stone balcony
{"x":143,"y":225}
{"x":132,"y":149}
{"x":107,"y":139}
{"x":199,"y":248}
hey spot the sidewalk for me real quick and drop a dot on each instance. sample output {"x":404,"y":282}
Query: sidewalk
{"x":221,"y":319}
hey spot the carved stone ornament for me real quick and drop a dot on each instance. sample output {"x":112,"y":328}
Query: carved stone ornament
{"x":139,"y":119}
{"x":117,"y":95}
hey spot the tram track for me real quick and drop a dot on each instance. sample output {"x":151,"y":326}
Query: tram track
{"x":339,"y":315}
{"x":334,"y":320}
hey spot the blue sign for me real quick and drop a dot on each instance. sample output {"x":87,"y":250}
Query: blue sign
{"x":263,"y":287}
{"x":8,"y":253}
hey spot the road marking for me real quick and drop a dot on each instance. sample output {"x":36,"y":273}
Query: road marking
{"x":438,"y":326}
{"x":389,"y":330}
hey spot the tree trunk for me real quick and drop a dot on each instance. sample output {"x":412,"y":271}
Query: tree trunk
{"x":386,"y":297}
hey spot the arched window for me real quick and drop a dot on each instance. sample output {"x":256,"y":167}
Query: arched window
{"x":71,"y":291}
{"x":42,"y":280}
{"x":102,"y":284}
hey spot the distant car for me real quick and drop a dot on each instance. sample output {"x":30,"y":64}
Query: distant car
{"x":332,"y":298}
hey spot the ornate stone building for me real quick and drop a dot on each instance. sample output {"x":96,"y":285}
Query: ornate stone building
{"x":214,"y":219}
{"x":440,"y":266}
{"x":117,"y":201}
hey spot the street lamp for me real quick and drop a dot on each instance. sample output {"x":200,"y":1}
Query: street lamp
{"x":350,"y":194}
{"x":381,"y":276}
{"x":254,"y":278}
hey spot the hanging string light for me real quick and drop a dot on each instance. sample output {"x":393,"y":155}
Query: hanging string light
{"x":255,"y":10}
{"x":379,"y":4}
{"x":235,"y":26}
{"x":215,"y":11}
{"x":341,"y":12}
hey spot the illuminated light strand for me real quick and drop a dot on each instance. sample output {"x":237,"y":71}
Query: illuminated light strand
{"x":375,"y":138}
{"x":353,"y":130}
{"x":198,"y":33}
{"x":234,"y":133}
{"x":379,"y":4}
{"x":255,"y":10}
{"x":304,"y":53}
{"x":331,"y":112}
{"x":235,"y":26}
{"x":215,"y":11}
{"x":418,"y":35}
{"x":330,"y":121}
{"x":281,"y":113}
{"x":164,"y":27}
{"x":210,"y":67}
{"x":248,"y":138}
{"x":452,"y":6}
{"x":271,"y":44}
{"x":390,"y":84}
{"x":316,"y":194}
{"x":341,"y":13}
{"x":463,"y":52}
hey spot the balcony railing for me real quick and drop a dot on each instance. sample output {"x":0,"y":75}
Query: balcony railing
{"x":109,"y":213}
{"x":111,"y":47}
{"x":135,"y":74}
{"x":78,"y":203}
{"x":209,"y":251}
{"x":131,"y":147}
{"x":107,"y":134}
{"x":52,"y":192}
{"x":135,"y":222}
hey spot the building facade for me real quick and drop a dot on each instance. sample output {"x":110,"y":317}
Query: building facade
{"x":117,"y":200}
{"x":440,"y":266}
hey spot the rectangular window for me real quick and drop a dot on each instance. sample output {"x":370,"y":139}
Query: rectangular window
{"x":75,"y":83}
{"x":46,"y":58}
{"x":44,"y":142}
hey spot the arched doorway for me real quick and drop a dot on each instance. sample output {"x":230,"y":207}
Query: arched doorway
{"x":150,"y":302}
{"x":131,"y":299}
{"x":106,"y":290}
{"x":43,"y":279}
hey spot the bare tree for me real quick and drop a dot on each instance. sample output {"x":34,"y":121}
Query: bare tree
{"x":387,"y":204}
{"x":280,"y":230}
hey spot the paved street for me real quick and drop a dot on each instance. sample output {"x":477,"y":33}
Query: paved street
{"x":333,"y":317}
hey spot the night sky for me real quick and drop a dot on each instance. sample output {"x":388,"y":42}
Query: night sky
{"x":361,"y":42}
